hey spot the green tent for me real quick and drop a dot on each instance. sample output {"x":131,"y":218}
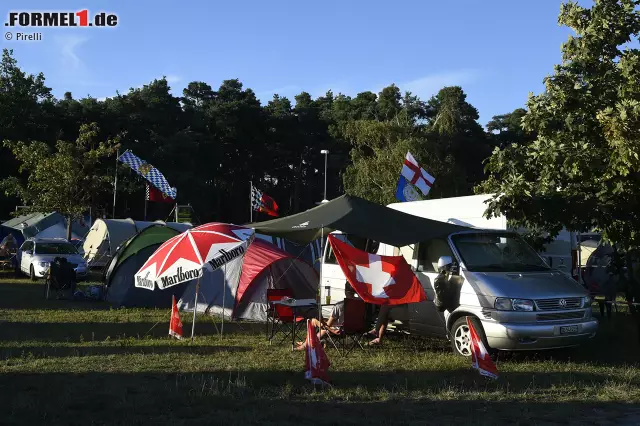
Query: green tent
{"x":356,"y":216}
{"x":129,"y":258}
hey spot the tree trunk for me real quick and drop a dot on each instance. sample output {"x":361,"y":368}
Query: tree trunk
{"x":69,"y":221}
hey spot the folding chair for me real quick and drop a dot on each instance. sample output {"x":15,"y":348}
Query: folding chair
{"x":60,"y":277}
{"x":354,"y":327}
{"x":280,"y":317}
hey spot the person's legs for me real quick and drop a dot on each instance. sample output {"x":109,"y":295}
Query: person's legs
{"x":381,"y":324}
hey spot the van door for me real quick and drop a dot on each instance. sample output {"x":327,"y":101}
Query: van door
{"x":425,"y":318}
{"x":332,"y":281}
{"x":26,"y":253}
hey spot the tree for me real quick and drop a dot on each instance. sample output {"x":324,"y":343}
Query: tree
{"x":453,"y":125}
{"x":65,"y":180}
{"x":507,"y":129}
{"x":583,"y":169}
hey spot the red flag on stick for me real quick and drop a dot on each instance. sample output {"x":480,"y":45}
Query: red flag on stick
{"x":380,"y":280}
{"x":154,"y":194}
{"x":175,"y":325}
{"x":316,"y":361}
{"x":480,"y":359}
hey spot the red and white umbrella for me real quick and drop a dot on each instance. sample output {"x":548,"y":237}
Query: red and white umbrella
{"x":183,"y":257}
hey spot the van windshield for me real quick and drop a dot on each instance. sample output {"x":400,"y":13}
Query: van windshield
{"x":497,"y":252}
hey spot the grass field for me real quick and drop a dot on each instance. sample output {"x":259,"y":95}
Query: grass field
{"x":83,"y":363}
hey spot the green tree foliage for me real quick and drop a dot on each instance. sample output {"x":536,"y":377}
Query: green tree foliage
{"x":210,"y":142}
{"x":582,"y":171}
{"x":65,"y":180}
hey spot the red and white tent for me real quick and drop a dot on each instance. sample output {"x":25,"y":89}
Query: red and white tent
{"x":246,"y":280}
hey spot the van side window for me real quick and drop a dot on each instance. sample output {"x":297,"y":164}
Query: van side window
{"x":429,"y":252}
{"x":27,"y":246}
{"x":369,"y":246}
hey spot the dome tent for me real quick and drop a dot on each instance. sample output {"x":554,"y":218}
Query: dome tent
{"x":119,"y":275}
{"x":106,"y":235}
{"x":245,"y":281}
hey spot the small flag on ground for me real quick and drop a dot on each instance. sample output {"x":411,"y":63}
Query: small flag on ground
{"x":480,"y":359}
{"x":315,"y":360}
{"x":157,"y":196}
{"x":415,"y":175}
{"x":175,"y":325}
{"x":148,"y":172}
{"x":261,"y":202}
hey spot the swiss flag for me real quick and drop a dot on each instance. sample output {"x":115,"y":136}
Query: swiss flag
{"x":175,"y":325}
{"x":480,"y":359}
{"x":380,"y":280}
{"x":315,"y":360}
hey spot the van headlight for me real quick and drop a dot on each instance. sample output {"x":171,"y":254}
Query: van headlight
{"x":506,"y":304}
{"x":586,"y":302}
{"x":44,"y":264}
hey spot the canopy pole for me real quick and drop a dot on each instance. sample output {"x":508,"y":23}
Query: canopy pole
{"x":320,"y":281}
{"x":195,"y":308}
{"x":224,"y":292}
{"x":115,"y":186}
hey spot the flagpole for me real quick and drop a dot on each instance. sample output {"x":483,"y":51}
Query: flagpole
{"x":250,"y":202}
{"x":195,"y":308}
{"x":146,"y":200}
{"x":115,"y":185}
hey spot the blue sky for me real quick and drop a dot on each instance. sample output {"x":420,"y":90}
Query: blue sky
{"x":497,"y":50}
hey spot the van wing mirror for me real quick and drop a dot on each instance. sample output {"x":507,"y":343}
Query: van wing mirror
{"x":445,"y":263}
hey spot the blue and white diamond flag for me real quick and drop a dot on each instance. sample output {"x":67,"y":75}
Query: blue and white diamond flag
{"x":148,"y":172}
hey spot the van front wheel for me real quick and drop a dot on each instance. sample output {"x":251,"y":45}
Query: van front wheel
{"x":461,"y":337}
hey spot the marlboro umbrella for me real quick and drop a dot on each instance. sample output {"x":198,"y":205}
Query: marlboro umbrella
{"x":183,"y":257}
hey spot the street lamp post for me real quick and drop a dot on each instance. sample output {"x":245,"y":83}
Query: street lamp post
{"x":325,"y":152}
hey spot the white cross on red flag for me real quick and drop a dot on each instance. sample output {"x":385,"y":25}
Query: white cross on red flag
{"x":480,"y":358}
{"x":380,"y":280}
{"x":417,"y":175}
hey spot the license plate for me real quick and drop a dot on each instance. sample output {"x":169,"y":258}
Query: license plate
{"x":569,"y":329}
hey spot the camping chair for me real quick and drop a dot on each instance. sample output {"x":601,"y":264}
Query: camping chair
{"x":351,"y":332}
{"x":60,"y":277}
{"x":280,"y":317}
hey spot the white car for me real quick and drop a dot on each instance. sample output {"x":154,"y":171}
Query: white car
{"x":36,"y":254}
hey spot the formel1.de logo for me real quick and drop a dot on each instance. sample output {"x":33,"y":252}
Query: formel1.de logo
{"x":61,"y":19}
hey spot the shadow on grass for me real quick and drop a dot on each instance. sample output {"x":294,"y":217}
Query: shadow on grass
{"x":283,"y":398}
{"x":88,"y":331}
{"x":66,"y":351}
{"x":31,"y":296}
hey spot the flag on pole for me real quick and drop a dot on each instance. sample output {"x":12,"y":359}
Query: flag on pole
{"x":480,"y":359}
{"x":379,"y":280}
{"x":175,"y":325}
{"x":261,"y":202}
{"x":148,"y":172}
{"x":316,"y":361}
{"x":415,"y":175}
{"x":157,"y":196}
{"x":406,"y":192}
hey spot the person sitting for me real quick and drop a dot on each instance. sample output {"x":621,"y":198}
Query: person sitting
{"x":381,"y":325}
{"x":334,"y":324}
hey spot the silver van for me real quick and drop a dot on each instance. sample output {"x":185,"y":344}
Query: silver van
{"x":521,"y":302}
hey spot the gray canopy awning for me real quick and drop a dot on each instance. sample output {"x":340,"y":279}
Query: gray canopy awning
{"x":354,"y":215}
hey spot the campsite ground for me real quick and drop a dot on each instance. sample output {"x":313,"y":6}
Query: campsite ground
{"x":64,"y":362}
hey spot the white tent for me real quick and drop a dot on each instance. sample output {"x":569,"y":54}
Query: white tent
{"x":106,"y":235}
